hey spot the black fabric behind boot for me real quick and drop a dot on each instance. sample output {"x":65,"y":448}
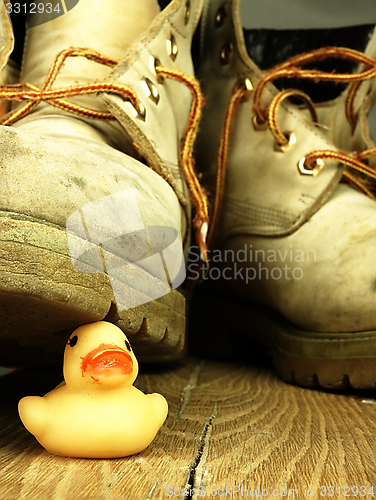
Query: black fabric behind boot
{"x":163,"y":3}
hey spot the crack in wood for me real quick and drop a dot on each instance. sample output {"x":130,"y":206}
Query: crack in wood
{"x":197,"y":468}
{"x":185,"y":395}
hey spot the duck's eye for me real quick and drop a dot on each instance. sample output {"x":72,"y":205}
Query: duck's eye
{"x":73,"y":341}
{"x":128,"y":345}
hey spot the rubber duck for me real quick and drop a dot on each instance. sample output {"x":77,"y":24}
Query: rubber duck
{"x":96,"y":412}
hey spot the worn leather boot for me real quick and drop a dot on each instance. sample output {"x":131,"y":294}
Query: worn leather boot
{"x":94,"y":205}
{"x":292,"y":253}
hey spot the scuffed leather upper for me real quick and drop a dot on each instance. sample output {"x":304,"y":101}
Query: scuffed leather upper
{"x":157,"y":139}
{"x":302,"y":245}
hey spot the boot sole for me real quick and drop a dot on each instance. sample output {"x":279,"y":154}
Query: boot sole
{"x":309,"y":359}
{"x":43,"y":298}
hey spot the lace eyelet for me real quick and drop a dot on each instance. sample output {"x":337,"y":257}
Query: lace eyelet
{"x":139,"y":112}
{"x":282,"y":148}
{"x":246,"y":84}
{"x":257,"y":125}
{"x":172,"y":47}
{"x":221,"y":16}
{"x":150,"y":90}
{"x":227,"y":53}
{"x":187,"y":12}
{"x":153,"y":65}
{"x":310,"y":170}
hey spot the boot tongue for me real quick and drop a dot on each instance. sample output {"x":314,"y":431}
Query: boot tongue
{"x":105,"y":27}
{"x":166,"y":102}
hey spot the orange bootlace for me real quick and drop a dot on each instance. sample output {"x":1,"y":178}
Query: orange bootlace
{"x":313,"y":162}
{"x":34,"y":95}
{"x":292,"y":68}
{"x":237,"y":97}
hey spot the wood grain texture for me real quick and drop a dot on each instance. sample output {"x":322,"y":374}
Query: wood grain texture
{"x":229,"y":425}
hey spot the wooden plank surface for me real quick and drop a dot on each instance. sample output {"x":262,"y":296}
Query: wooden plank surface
{"x":230,"y":426}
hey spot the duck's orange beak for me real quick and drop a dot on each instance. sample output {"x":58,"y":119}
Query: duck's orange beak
{"x":107,"y":360}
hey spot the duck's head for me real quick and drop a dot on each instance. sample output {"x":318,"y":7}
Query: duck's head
{"x":99,"y":355}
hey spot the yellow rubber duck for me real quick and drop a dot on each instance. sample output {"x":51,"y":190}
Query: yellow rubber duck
{"x":96,"y":412}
